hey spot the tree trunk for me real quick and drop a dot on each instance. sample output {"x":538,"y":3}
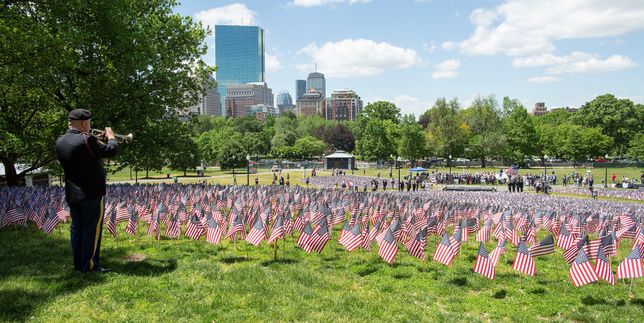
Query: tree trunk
{"x":147,"y":170}
{"x":10,"y":172}
{"x":184,"y":172}
{"x":482,"y":161}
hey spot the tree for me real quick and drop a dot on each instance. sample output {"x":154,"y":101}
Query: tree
{"x":232,"y":153}
{"x":377,"y":142}
{"x":125,"y":60}
{"x":618,"y":118}
{"x":339,"y":137}
{"x":184,"y":154}
{"x":379,"y":110}
{"x":636,"y":150}
{"x":412,"y":143}
{"x":308,"y":146}
{"x":447,"y":133}
{"x":484,"y":123}
{"x":520,"y":133}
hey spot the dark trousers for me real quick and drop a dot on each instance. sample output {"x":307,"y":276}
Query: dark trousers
{"x":85,"y":233}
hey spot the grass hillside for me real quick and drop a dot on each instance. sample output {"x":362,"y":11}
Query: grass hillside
{"x":184,"y":280}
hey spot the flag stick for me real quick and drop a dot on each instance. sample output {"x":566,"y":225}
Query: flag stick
{"x":275,"y":250}
{"x":630,"y":288}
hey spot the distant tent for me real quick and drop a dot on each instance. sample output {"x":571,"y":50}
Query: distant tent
{"x":417,"y":170}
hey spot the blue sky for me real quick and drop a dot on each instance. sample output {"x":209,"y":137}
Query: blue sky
{"x":411,"y":52}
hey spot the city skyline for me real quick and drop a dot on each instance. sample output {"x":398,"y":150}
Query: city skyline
{"x":413,"y":52}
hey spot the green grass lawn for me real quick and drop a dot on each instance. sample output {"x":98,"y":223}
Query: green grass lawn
{"x":184,"y":280}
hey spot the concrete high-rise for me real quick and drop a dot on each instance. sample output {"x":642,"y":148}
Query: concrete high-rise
{"x":239,"y":56}
{"x":210,"y":103}
{"x":316,"y":81}
{"x":312,"y":103}
{"x":241,"y":97}
{"x":300,"y":88}
{"x":343,"y":105}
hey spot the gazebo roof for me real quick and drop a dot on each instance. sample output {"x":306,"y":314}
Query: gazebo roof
{"x":339,"y":154}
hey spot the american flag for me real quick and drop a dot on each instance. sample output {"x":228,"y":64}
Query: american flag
{"x":571,"y":253}
{"x":602,"y":268}
{"x":444,"y":252}
{"x":627,"y":232}
{"x":387,"y":247}
{"x":544,"y":247}
{"x":366,"y":237}
{"x":194,"y":229}
{"x":111,"y":223}
{"x":345,"y":229}
{"x":132,"y":223}
{"x":304,"y":240}
{"x":565,"y":240}
{"x":608,"y":244}
{"x":483,"y":265}
{"x":631,"y":266}
{"x":581,"y":271}
{"x":215,"y":229}
{"x":523,"y":261}
{"x":352,"y":239}
{"x":257,"y":233}
{"x":416,"y":246}
{"x":13,"y":215}
{"x":320,"y":236}
{"x":278,"y":229}
{"x":173,"y":229}
{"x":51,"y":221}
{"x":497,"y":252}
{"x":484,"y":233}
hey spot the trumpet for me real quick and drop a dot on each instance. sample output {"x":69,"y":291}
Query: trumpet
{"x":119,"y":138}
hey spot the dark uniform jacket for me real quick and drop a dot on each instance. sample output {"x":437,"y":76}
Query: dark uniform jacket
{"x":80,"y":156}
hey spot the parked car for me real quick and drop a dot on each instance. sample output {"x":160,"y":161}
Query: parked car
{"x":601,"y":160}
{"x":276,"y":168}
{"x":462,"y":160}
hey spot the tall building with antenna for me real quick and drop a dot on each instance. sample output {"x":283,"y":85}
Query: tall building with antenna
{"x":239,"y":56}
{"x":316,"y":81}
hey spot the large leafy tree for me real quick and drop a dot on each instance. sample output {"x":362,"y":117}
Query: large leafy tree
{"x":484,"y":123}
{"x":620,"y":119}
{"x":412,"y":142}
{"x":520,"y":133}
{"x":447,"y":133}
{"x":134,"y":63}
{"x":339,"y":137}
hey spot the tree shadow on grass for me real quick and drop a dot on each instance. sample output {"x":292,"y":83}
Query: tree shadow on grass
{"x":153,"y":267}
{"x":235,"y":259}
{"x":43,"y":261}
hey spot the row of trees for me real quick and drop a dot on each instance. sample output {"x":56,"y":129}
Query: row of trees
{"x":137,"y":65}
{"x":485,"y":130}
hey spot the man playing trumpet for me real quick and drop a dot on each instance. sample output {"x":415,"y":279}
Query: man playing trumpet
{"x":80,"y":153}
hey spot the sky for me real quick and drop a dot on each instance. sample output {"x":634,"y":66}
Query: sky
{"x":412,"y":52}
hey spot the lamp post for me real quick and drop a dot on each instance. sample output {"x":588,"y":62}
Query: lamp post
{"x":449,"y":164}
{"x":398,"y":166}
{"x":391,"y":165}
{"x":606,"y":172}
{"x":248,"y":170}
{"x":545,"y":172}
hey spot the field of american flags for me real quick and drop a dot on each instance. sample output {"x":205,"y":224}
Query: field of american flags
{"x":184,"y":279}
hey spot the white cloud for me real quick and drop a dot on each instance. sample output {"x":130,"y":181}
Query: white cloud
{"x":409,"y":104}
{"x":446,"y":69}
{"x":525,"y":28}
{"x":358,"y":57}
{"x":233,"y":14}
{"x":594,"y":65}
{"x":272,"y":63}
{"x":576,"y":62}
{"x":314,"y":3}
{"x":543,"y":79}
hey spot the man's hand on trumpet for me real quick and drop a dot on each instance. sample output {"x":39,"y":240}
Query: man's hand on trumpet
{"x":109,"y":134}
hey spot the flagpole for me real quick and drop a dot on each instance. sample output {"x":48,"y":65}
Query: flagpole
{"x":275,"y":250}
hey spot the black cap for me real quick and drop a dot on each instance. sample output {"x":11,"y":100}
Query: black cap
{"x":79,"y":114}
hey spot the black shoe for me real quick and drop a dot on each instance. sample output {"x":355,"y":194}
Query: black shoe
{"x":100,"y":269}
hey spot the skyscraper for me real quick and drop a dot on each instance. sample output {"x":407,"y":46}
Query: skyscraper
{"x":316,"y":81}
{"x":239,"y":56}
{"x":312,"y":103}
{"x":300,"y":88}
{"x":240,"y":97}
{"x":284,"y":102}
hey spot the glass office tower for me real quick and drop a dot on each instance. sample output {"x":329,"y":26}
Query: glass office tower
{"x":316,"y":81}
{"x":239,"y":56}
